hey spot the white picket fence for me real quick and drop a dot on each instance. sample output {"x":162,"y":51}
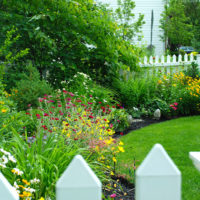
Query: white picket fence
{"x":165,"y":61}
{"x":157,"y":178}
{"x":162,"y":64}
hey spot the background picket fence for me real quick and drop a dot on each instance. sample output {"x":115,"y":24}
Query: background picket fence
{"x":157,"y":178}
{"x":162,"y":64}
{"x":170,"y":64}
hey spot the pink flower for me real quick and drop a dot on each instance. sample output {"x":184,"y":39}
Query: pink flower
{"x":176,"y":104}
{"x":71,"y":94}
{"x":113,"y":195}
{"x":175,"y":108}
{"x":45,"y":114}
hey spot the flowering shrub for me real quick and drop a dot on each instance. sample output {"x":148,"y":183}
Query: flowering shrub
{"x":24,"y":188}
{"x":183,"y":91}
{"x":82,"y":84}
{"x":78,"y":121}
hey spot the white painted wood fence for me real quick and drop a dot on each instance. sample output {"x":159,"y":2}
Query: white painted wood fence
{"x":157,"y":178}
{"x":164,"y":61}
{"x":168,"y":64}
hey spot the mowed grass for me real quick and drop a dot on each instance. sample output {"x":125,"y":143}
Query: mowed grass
{"x":178,"y":137}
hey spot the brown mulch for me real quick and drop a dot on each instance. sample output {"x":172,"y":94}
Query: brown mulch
{"x":124,"y":189}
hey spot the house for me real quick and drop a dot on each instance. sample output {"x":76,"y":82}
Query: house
{"x":147,"y":7}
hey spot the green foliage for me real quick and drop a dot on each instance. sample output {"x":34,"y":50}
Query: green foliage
{"x":192,"y":11}
{"x":135,"y":92}
{"x":82,"y":84}
{"x":119,"y":119}
{"x":7,"y":55}
{"x":192,"y":70}
{"x":30,"y":88}
{"x":65,"y":37}
{"x":125,"y":16}
{"x":176,"y":25}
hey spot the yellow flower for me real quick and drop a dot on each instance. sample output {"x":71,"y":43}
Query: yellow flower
{"x":3,"y":110}
{"x":159,"y":82}
{"x":121,"y":143}
{"x":121,"y":149}
{"x":114,"y":159}
{"x":41,"y":198}
{"x":25,"y":181}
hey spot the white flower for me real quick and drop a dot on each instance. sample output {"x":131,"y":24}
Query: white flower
{"x":90,"y":46}
{"x":2,"y":165}
{"x":12,"y":158}
{"x":31,"y":190}
{"x":17,"y":171}
{"x":15,"y":185}
{"x":35,"y":180}
{"x":5,"y":152}
{"x":4,"y":159}
{"x":104,"y":100}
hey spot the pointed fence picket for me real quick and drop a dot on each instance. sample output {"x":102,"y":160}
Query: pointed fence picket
{"x":157,"y":178}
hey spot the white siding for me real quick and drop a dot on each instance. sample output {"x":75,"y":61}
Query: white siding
{"x":145,"y":7}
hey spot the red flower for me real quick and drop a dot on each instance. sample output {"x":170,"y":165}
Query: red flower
{"x":100,"y":102}
{"x":56,"y":118}
{"x":89,"y":102}
{"x":65,"y":91}
{"x":90,"y":116}
{"x":27,"y":113}
{"x":38,"y":116}
{"x":45,"y":114}
{"x":59,"y":105}
{"x":121,"y":133}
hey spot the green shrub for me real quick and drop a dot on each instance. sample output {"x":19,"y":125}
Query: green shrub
{"x":82,"y":84}
{"x":192,"y":70}
{"x":135,"y":92}
{"x":29,"y":89}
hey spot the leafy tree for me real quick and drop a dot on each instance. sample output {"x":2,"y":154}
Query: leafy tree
{"x":129,"y":28}
{"x":192,"y":11}
{"x":69,"y":36}
{"x":7,"y":55}
{"x":176,"y":25}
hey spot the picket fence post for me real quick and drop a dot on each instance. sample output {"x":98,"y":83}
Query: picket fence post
{"x":195,"y":157}
{"x":7,"y":192}
{"x":158,"y":178}
{"x":78,"y":182}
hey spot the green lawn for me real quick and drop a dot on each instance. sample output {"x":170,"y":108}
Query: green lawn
{"x":178,"y":137}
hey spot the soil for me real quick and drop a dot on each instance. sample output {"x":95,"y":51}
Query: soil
{"x":137,"y":124}
{"x":126,"y":190}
